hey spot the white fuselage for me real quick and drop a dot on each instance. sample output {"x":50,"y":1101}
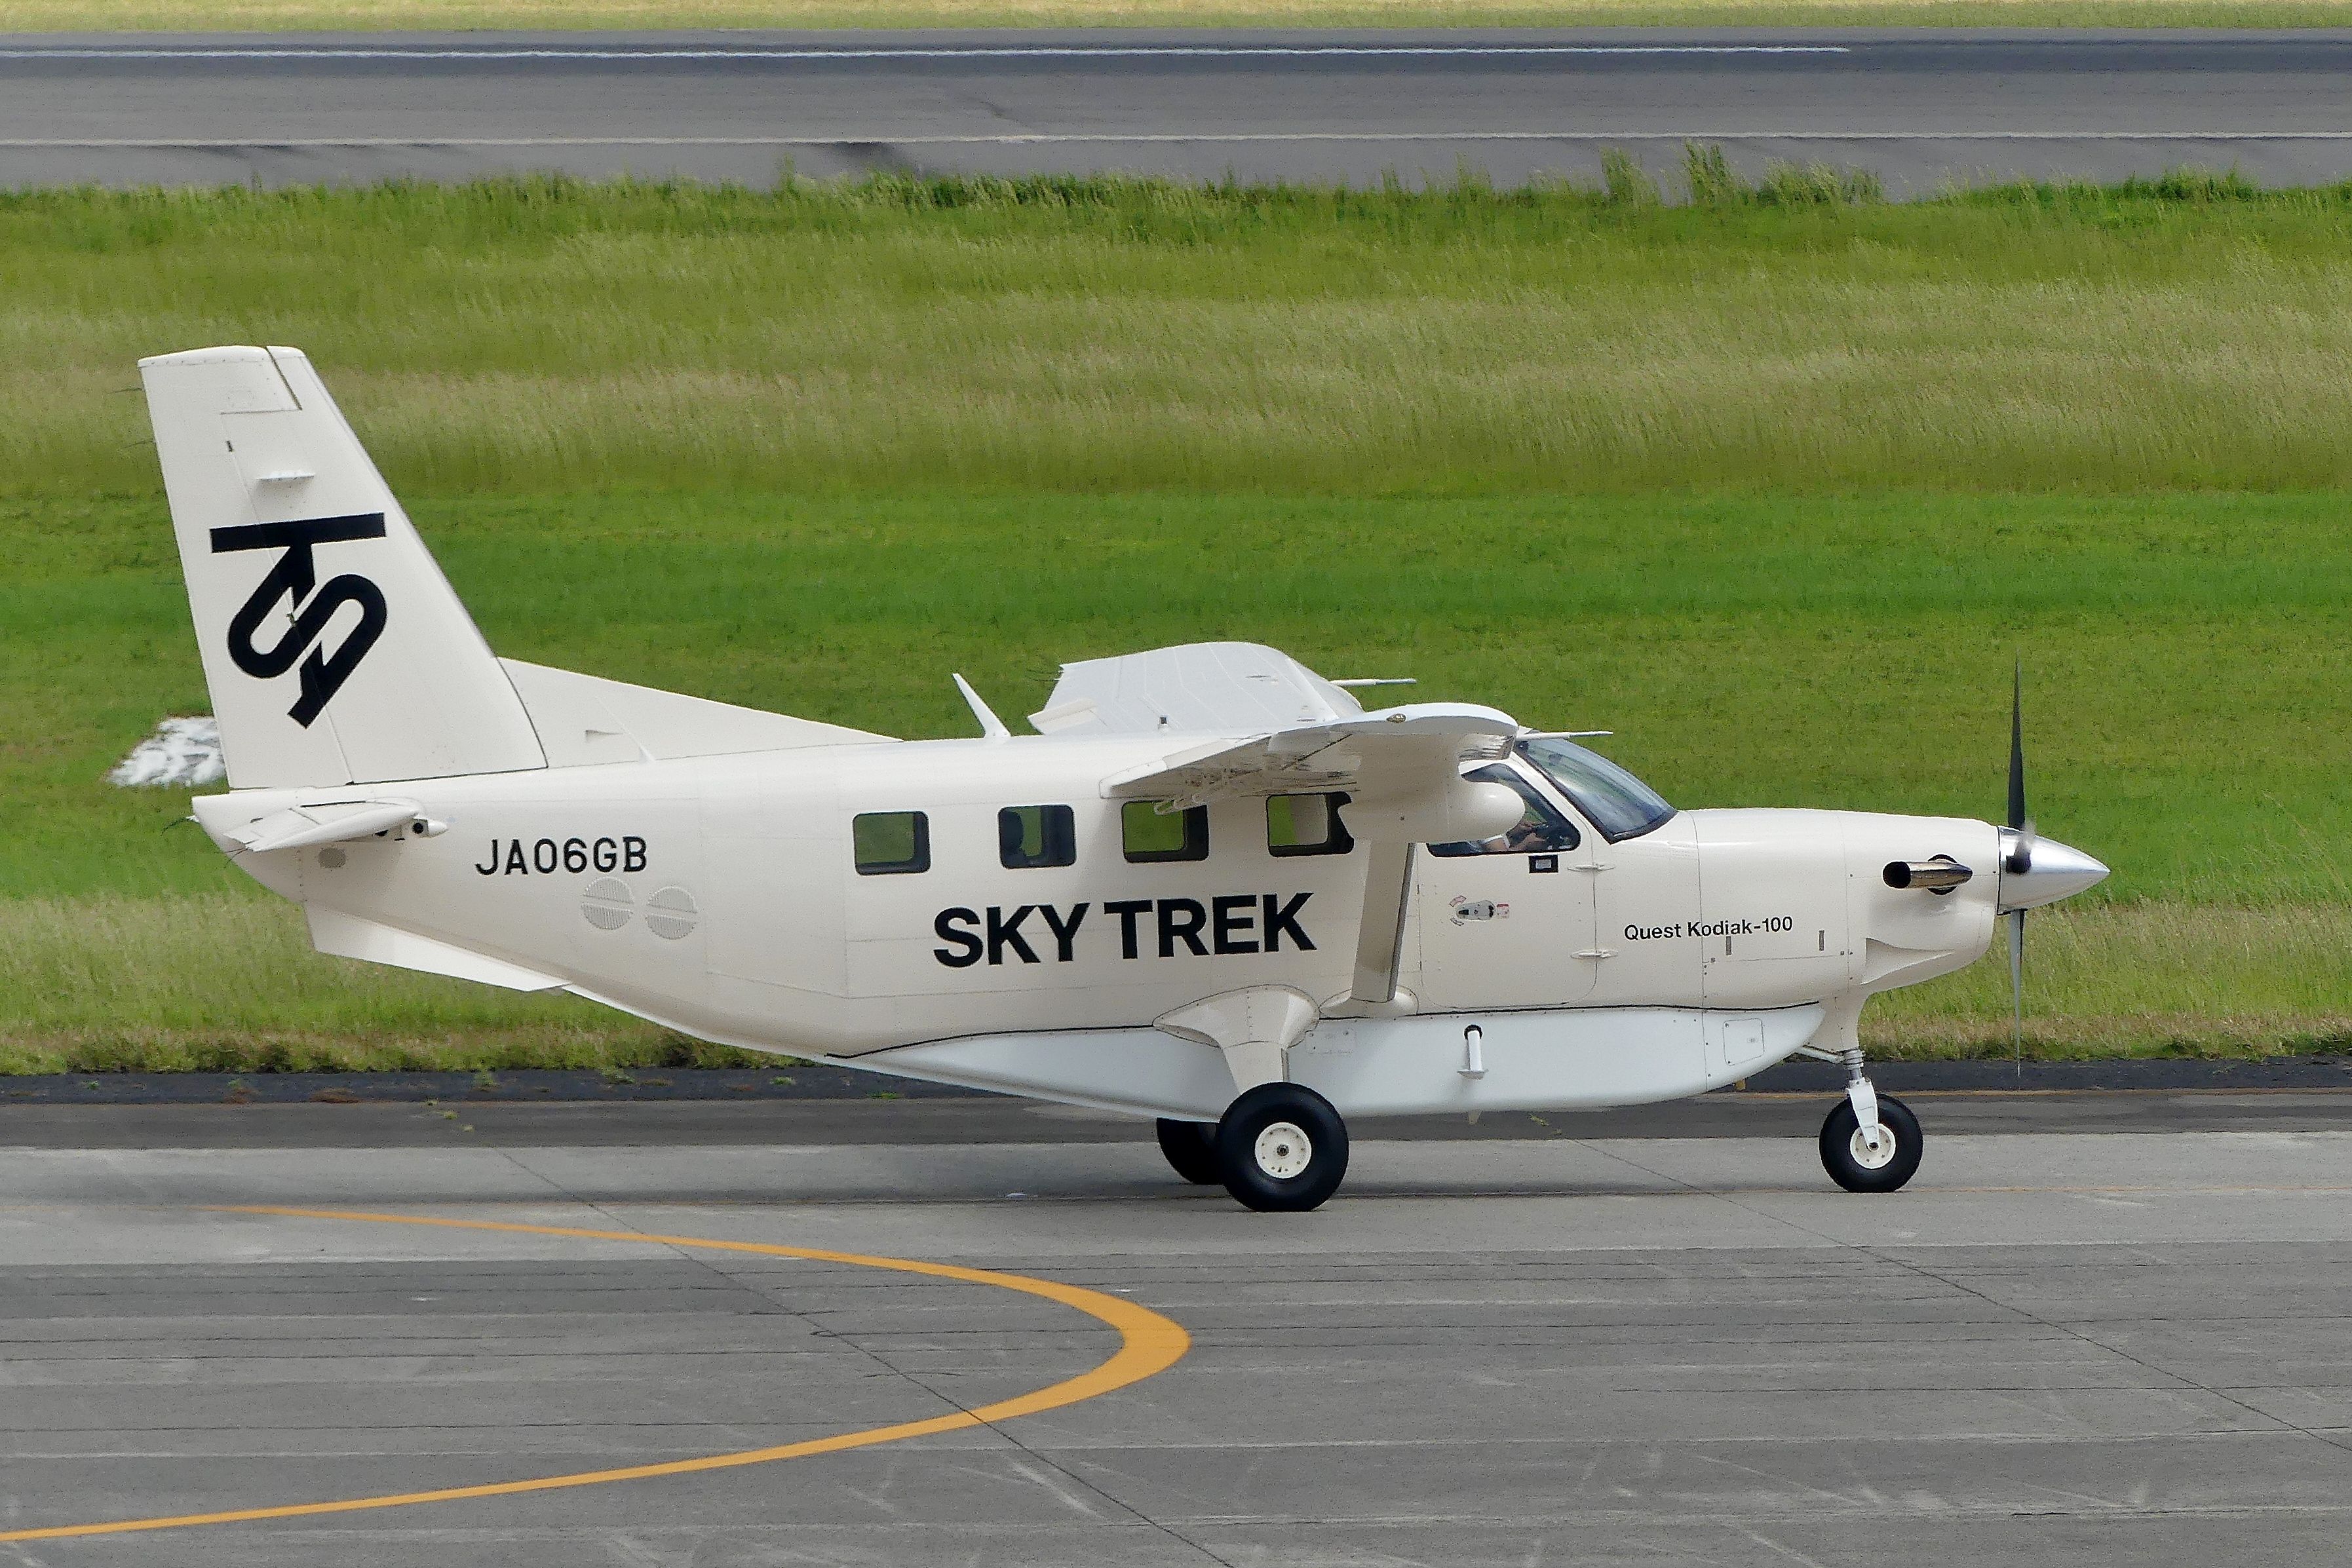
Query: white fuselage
{"x":718,"y":896}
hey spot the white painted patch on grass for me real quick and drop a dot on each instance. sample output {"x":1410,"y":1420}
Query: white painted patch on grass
{"x":181,"y":754}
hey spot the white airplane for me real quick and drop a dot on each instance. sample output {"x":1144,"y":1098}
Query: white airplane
{"x":1212,"y":888}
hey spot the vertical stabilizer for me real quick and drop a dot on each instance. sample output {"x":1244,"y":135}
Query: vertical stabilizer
{"x":334,"y":648}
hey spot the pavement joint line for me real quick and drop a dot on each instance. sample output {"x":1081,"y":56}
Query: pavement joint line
{"x":2180,"y":1380}
{"x":1920,"y":1270}
{"x":2183,"y":1380}
{"x":757,"y":1282}
{"x":1014,"y":139}
{"x":1150,"y":1343}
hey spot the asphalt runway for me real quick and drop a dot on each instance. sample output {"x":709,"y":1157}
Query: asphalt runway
{"x":1922,"y":108}
{"x":2057,"y":1346}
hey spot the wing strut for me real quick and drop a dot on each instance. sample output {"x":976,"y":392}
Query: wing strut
{"x":1379,"y":935}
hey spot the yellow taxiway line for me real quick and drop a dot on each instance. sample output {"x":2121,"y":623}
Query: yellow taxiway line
{"x":1149,"y":1344}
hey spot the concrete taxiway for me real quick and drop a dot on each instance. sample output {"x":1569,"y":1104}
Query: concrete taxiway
{"x":1920,"y":108}
{"x":2132,"y":1344}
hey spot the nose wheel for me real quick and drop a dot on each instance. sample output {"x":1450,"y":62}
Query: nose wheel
{"x":1878,"y":1158}
{"x":1281,"y":1147}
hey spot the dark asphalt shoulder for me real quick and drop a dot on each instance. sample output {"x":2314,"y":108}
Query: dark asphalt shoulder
{"x":802,"y":1080}
{"x":668,"y":1118}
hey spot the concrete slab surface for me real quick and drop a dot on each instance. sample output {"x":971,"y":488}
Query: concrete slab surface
{"x":2055,"y":1347}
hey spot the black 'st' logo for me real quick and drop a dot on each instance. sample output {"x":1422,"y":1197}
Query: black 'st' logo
{"x":293,"y":578}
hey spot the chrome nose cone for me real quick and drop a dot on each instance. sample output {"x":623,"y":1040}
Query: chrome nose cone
{"x":2057,"y":871}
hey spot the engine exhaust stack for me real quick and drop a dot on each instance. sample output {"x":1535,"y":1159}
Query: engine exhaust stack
{"x":1938,"y":875}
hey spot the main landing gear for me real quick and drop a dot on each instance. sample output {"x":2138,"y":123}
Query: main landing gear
{"x":1870,"y":1143}
{"x":1279,"y":1147}
{"x":1192,"y":1149}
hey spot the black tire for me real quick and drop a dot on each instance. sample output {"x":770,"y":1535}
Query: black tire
{"x":1261,"y":1164}
{"x":1846,"y":1164}
{"x":1191,"y":1151}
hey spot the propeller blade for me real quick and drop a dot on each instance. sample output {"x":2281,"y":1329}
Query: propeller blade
{"x":2021,"y":855}
{"x":2017,"y":988}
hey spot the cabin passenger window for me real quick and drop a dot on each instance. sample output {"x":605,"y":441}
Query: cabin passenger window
{"x":1540,"y":830}
{"x":1147,"y":834}
{"x":891,"y":843}
{"x":1035,"y":836}
{"x":1305,"y":825}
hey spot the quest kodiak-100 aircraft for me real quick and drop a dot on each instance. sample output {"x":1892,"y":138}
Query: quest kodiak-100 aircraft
{"x":1212,"y":888}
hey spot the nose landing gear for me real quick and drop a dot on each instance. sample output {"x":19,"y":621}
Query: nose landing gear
{"x":1859,"y":1161}
{"x":1869,"y":1144}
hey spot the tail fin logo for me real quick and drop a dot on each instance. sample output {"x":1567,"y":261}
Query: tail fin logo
{"x":295,"y":579}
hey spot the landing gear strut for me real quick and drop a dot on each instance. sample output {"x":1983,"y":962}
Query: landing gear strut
{"x":1281,"y":1147}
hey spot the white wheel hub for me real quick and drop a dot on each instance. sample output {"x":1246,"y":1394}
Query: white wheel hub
{"x":1872,"y":1148}
{"x":1284,"y":1150}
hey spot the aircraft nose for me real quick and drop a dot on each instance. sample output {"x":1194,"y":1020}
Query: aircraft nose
{"x":2058,"y":871}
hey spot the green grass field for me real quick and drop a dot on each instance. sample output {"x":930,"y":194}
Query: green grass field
{"x":1776,"y":489}
{"x":96,"y":16}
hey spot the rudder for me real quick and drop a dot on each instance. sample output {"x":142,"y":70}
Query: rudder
{"x":335,"y":650}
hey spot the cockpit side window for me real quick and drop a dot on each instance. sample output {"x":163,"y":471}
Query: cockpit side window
{"x":1540,"y":829}
{"x":1619,"y":804}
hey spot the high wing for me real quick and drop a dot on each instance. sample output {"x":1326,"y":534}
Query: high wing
{"x":1196,"y":689}
{"x":1280,"y":728}
{"x":1243,"y":719}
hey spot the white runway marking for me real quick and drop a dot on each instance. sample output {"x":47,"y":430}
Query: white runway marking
{"x":1022,"y":137}
{"x":1003,"y":52}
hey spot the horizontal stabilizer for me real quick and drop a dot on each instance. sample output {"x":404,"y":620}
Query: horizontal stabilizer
{"x":326,"y":822}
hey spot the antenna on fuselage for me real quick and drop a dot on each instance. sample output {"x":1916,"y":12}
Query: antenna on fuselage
{"x":990,"y":724}
{"x":1379,"y":681}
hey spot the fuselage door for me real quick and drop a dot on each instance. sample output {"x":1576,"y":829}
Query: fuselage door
{"x":1508,"y":921}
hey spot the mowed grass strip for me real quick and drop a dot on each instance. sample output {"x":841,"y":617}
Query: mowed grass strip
{"x":1109,"y":334}
{"x":2187,"y":717}
{"x":2186,"y":707}
{"x":335,"y":16}
{"x":1774,"y":486}
{"x":228,"y":984}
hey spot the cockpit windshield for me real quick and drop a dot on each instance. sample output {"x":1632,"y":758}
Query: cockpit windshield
{"x":1619,"y":804}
